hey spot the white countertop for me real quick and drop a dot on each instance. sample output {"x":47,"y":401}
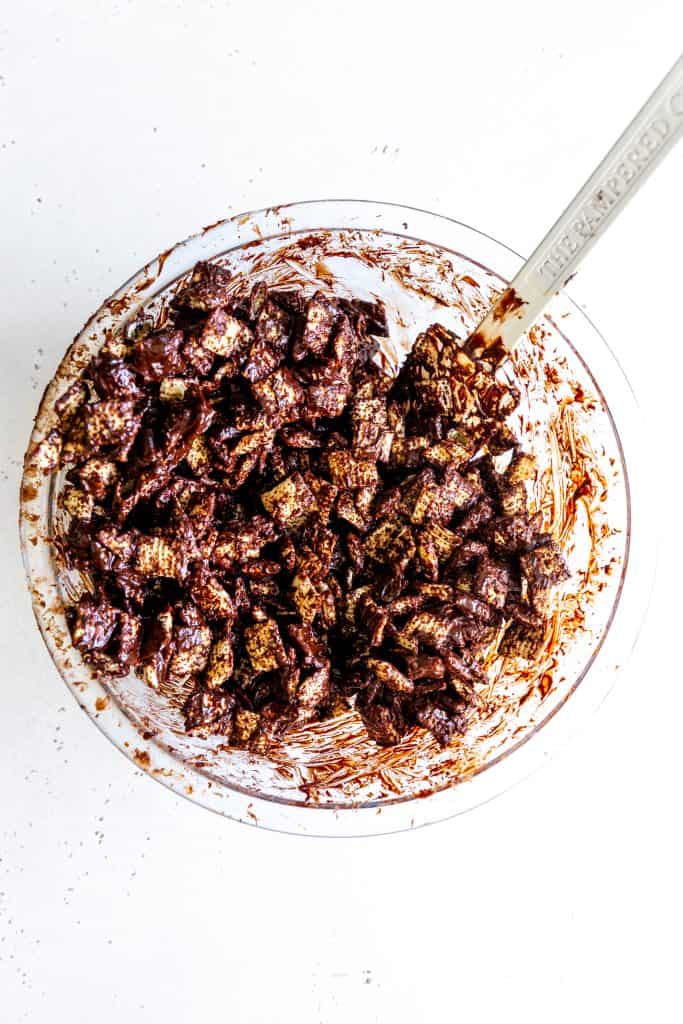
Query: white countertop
{"x":126,"y":126}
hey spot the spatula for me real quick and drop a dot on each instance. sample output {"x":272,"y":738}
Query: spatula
{"x":640,"y":148}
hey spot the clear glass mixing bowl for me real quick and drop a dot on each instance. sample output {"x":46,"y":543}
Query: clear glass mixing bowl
{"x":579,"y":416}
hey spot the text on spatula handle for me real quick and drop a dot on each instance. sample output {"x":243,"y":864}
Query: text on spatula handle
{"x":618,"y":178}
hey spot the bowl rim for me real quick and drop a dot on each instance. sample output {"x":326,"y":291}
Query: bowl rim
{"x":369,"y":818}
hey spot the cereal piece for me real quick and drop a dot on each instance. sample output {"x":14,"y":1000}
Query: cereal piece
{"x":291,"y":300}
{"x":71,"y":401}
{"x":261,"y":361}
{"x":422,"y":499}
{"x":158,"y":355}
{"x":311,"y":650}
{"x":111,"y":421}
{"x":426,"y":627}
{"x":408,"y":452}
{"x":192,"y":641}
{"x":465,"y":671}
{"x":325,"y":494}
{"x":368,"y":616}
{"x":75,"y":445}
{"x":344,"y":345}
{"x":155,"y":556}
{"x":94,"y":623}
{"x":523,"y":641}
{"x":427,"y":558}
{"x":318,"y":547}
{"x":300,"y":437}
{"x":306,"y":597}
{"x":274,"y":719}
{"x":433,"y":352}
{"x":454,"y":450}
{"x":391,"y":542}
{"x":476,"y":517}
{"x":157,"y":649}
{"x":128,"y":637}
{"x":113,"y":550}
{"x":97,"y":476}
{"x":442,"y":540}
{"x":369,"y":422}
{"x":352,"y":600}
{"x":320,"y":317}
{"x":374,"y":314}
{"x":213,"y":599}
{"x":245,"y":726}
{"x":225,"y":335}
{"x":198,"y":457}
{"x":511,"y":534}
{"x":364,"y":498}
{"x":191,"y":661}
{"x":209,"y":713}
{"x":425,"y":666}
{"x":290,"y":677}
{"x":200,"y":359}
{"x":290,"y":502}
{"x":209,"y":286}
{"x":544,"y":567}
{"x":348,"y":510}
{"x":522,"y":468}
{"x":426,"y":499}
{"x":77,"y":503}
{"x":328,"y":400}
{"x":349,"y":470}
{"x":513,"y":499}
{"x":264,"y":646}
{"x":113,"y":378}
{"x":382,"y":724}
{"x":473,"y":606}
{"x":492,"y":582}
{"x":434,"y":397}
{"x":314,"y":688}
{"x":388,"y":675}
{"x":280,"y":395}
{"x":272,"y":325}
{"x":243,"y":541}
{"x":501,"y":440}
{"x":459,"y":493}
{"x":437,"y":720}
{"x":221,"y":663}
{"x":172,"y":389}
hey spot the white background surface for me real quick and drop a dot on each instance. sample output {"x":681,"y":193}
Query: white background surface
{"x":127,"y":126}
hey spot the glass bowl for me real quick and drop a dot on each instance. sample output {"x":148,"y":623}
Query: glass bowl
{"x":579,"y":416}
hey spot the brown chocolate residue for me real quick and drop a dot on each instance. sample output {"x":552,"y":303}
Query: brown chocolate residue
{"x":210,"y":227}
{"x":509,"y":302}
{"x":145,"y":283}
{"x":119,"y":306}
{"x":163,"y":256}
{"x":479,"y":346}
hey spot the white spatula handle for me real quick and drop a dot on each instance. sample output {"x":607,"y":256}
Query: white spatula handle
{"x":644,"y":143}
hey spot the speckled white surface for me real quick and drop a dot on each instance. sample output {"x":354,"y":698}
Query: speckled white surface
{"x":124,"y":127}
